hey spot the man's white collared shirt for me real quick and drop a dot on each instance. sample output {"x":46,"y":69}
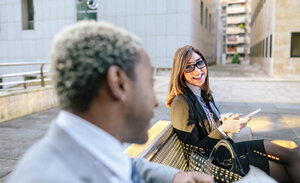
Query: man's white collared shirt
{"x":104,"y":147}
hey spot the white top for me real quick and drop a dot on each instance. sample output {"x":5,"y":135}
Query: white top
{"x":99,"y":143}
{"x":197,"y":91}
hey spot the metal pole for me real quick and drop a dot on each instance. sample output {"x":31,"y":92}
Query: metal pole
{"x":42,"y":76}
{"x":85,"y":10}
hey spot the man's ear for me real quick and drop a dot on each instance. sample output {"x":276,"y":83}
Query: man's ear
{"x":117,"y":82}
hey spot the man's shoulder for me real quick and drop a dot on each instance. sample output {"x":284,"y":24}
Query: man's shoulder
{"x":57,"y":157}
{"x":40,"y":163}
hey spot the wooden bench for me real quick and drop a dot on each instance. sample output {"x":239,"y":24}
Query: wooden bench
{"x":162,"y":147}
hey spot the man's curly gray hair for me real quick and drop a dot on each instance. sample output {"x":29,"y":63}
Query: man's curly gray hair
{"x":81,"y":55}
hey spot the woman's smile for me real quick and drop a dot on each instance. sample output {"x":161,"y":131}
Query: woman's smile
{"x":199,"y":77}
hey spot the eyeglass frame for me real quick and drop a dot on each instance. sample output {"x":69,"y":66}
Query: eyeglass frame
{"x":195,"y":65}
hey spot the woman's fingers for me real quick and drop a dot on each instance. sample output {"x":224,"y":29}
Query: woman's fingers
{"x":236,"y":116}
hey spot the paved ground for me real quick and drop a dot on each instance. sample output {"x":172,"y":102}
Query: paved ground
{"x":237,"y":88}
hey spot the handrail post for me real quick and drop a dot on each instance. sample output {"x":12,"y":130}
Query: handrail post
{"x":1,"y":87}
{"x":25,"y":83}
{"x":42,"y":76}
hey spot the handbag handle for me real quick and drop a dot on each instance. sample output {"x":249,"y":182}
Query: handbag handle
{"x":236,"y":165}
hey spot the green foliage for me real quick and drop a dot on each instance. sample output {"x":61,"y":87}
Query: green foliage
{"x":241,"y":26}
{"x":236,"y":59}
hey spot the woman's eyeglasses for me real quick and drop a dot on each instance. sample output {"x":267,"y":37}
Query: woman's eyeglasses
{"x":200,"y":65}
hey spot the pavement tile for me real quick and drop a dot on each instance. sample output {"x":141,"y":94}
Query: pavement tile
{"x":265,"y":107}
{"x":266,"y":122}
{"x":2,"y":179}
{"x":297,"y":141}
{"x":13,"y":150}
{"x":284,"y":134}
{"x":288,"y":109}
{"x":233,"y":107}
{"x":19,"y":134}
{"x":162,"y":112}
{"x":6,"y":167}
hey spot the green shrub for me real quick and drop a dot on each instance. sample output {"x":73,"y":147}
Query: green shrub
{"x":236,"y":59}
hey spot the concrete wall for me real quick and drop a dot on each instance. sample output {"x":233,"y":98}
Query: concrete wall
{"x":18,"y":45}
{"x":287,"y":21}
{"x":163,"y":25}
{"x":262,"y":27}
{"x":21,"y":103}
{"x":279,"y":19}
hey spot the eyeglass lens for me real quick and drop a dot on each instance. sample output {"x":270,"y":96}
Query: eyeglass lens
{"x":190,"y":68}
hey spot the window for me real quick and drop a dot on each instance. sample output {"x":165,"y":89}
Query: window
{"x":206,"y":12}
{"x":270,"y":52}
{"x":209,"y":26}
{"x":266,"y":47}
{"x":263,"y":48}
{"x":84,"y":12}
{"x":295,"y":44}
{"x":212,"y":23}
{"x":201,"y":12}
{"x":27,"y":15}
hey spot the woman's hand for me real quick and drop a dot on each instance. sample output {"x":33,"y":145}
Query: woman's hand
{"x":234,"y":124}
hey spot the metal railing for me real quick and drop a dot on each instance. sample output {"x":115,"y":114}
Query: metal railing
{"x":37,"y":76}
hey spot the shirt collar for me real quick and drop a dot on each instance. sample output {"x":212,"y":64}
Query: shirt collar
{"x":195,"y":89}
{"x":99,"y":143}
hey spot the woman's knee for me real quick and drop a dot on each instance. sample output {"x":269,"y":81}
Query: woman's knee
{"x":282,"y":150}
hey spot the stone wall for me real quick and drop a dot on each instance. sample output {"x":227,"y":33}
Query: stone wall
{"x":287,"y":21}
{"x":15,"y":104}
{"x":273,"y":23}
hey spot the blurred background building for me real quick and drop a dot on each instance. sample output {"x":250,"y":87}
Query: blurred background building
{"x":275,"y":38}
{"x":235,"y":16}
{"x":27,"y":27}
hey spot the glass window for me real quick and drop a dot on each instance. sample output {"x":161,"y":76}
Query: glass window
{"x":295,"y":44}
{"x":270,"y":52}
{"x":84,"y":12}
{"x":209,"y":27}
{"x":201,"y":12}
{"x":263,"y":48}
{"x":206,"y":16}
{"x":27,"y":15}
{"x":266,"y":47}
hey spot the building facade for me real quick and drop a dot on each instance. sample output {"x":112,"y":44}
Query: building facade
{"x":275,"y":39}
{"x":236,"y":30}
{"x":27,"y":27}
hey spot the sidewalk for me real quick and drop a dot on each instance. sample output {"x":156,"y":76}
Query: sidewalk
{"x":245,"y":88}
{"x":237,"y":88}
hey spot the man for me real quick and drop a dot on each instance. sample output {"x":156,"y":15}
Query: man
{"x":103,"y":79}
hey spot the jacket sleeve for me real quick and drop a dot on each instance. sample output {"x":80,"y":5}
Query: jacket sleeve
{"x":185,"y":127}
{"x":155,"y":172}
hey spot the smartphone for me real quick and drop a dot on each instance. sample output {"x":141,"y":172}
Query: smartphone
{"x":252,"y":113}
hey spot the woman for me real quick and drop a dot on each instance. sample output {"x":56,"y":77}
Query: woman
{"x":196,"y":121}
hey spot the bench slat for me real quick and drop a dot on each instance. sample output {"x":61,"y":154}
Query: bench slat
{"x":162,"y":147}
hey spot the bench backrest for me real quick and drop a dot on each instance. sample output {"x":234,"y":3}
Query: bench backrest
{"x":162,"y":147}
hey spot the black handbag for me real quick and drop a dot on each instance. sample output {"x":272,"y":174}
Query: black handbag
{"x":199,"y":162}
